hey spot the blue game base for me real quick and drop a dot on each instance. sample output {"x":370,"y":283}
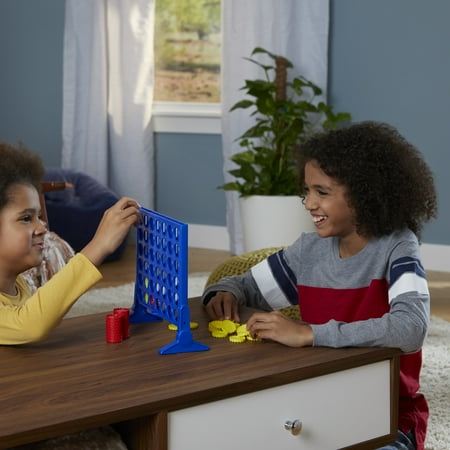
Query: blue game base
{"x":182,"y":344}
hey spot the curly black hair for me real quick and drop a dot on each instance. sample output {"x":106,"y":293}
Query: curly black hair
{"x":18,"y":165}
{"x":389,"y":185}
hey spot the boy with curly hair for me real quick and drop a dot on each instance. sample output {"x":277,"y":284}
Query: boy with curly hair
{"x":26,"y":317}
{"x":358,"y":279}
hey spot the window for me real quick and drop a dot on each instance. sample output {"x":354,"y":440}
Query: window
{"x":187,"y":51}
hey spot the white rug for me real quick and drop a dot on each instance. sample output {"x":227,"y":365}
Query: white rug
{"x":435,"y":378}
{"x":104,"y":300}
{"x":435,"y":381}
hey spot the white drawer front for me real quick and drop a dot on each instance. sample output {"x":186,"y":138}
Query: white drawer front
{"x":336,"y":410}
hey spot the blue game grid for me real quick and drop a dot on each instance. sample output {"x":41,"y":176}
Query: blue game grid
{"x":161,"y":287}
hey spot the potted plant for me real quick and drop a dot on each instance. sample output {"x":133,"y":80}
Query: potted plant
{"x":286,"y":113}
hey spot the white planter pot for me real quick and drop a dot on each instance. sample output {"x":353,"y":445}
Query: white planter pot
{"x":272,"y":220}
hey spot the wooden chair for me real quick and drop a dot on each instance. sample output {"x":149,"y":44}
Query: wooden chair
{"x":50,"y":186}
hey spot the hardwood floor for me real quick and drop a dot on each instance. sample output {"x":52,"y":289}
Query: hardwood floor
{"x":204,"y":260}
{"x":439,"y":285}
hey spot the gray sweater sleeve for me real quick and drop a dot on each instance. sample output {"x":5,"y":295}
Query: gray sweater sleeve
{"x":243,"y":287}
{"x":404,"y":327}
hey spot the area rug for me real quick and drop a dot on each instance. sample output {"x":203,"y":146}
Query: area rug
{"x":435,"y":378}
{"x":435,"y":382}
{"x":101,"y":300}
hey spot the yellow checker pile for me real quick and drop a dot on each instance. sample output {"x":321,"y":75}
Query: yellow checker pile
{"x":235,"y":332}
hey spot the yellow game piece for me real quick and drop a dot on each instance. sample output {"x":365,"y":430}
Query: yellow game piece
{"x":219,"y":334}
{"x":236,"y":333}
{"x":242,"y":330}
{"x":215,"y":325}
{"x":236,"y":339}
{"x":229,"y":325}
{"x":174,"y":327}
{"x":250,"y":338}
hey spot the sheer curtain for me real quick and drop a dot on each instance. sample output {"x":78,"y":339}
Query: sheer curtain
{"x":108,"y":94}
{"x":296,"y":29}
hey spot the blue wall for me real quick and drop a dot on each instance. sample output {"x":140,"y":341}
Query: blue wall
{"x":188,"y":171}
{"x":31,"y":56}
{"x":388,"y":61}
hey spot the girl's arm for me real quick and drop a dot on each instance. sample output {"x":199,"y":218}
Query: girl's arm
{"x":40,"y":313}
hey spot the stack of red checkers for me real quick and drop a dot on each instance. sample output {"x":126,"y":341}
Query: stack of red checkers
{"x":124,"y":314}
{"x":118,"y":325}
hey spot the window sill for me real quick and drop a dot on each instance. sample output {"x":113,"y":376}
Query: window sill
{"x":198,"y":118}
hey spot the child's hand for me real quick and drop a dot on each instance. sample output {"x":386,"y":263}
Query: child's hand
{"x":112,"y":229}
{"x":223,"y":306}
{"x":280,"y":328}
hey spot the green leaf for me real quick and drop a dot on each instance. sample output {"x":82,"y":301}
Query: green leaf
{"x":257,"y":50}
{"x":242,"y":104}
{"x":232,"y":186}
{"x":257,"y":131}
{"x":257,"y":88}
{"x":243,"y":157}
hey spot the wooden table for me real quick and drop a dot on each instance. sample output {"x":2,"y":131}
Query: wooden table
{"x":74,"y":380}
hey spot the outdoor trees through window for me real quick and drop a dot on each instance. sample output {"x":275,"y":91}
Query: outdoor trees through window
{"x":187,"y":51}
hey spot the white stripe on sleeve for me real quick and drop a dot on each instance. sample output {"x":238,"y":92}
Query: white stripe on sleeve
{"x":408,"y":282}
{"x":268,"y":286}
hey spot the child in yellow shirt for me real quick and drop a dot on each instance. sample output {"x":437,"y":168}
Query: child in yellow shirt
{"x":26,"y":317}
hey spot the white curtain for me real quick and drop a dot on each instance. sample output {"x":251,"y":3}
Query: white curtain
{"x":296,"y":29}
{"x":108,"y":94}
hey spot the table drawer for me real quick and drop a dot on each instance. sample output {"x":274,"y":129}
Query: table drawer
{"x":336,"y":410}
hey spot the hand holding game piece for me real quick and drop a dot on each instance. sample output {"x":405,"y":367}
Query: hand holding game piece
{"x":223,"y":306}
{"x":112,"y":229}
{"x":277,"y":327}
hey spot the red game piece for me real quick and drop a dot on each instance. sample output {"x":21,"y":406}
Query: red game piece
{"x":113,"y":328}
{"x":124,"y":313}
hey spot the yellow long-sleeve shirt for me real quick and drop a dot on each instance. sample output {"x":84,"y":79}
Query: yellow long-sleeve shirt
{"x":28,"y":318}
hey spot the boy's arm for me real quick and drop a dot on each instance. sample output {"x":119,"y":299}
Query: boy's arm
{"x":404,"y":327}
{"x":262,"y":286}
{"x":243,"y":287}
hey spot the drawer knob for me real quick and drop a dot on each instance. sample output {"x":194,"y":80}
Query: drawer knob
{"x":294,"y":426}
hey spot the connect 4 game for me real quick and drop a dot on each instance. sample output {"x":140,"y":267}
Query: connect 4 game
{"x":161,"y":287}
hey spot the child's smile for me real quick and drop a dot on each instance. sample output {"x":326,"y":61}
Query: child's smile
{"x":327,"y":202}
{"x":318,"y":220}
{"x":21,"y":231}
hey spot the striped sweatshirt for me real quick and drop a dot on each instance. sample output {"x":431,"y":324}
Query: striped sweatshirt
{"x":378,"y":297}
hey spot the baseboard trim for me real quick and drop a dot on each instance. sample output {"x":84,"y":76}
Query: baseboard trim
{"x":434,"y":257}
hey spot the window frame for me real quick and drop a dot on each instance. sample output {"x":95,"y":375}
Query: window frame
{"x":180,"y":117}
